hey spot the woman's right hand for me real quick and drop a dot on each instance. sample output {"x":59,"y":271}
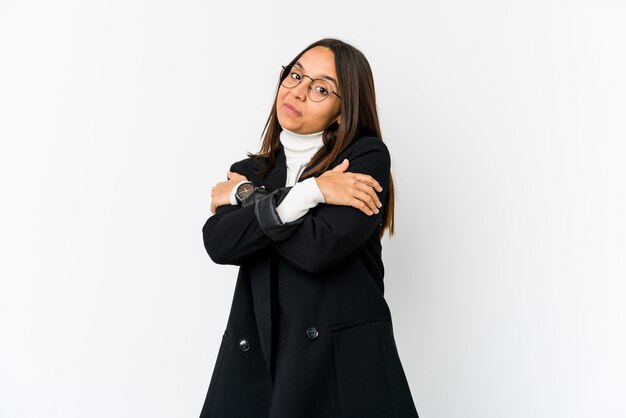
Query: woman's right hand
{"x":350,"y":189}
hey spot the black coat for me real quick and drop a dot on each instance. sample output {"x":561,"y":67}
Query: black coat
{"x":309,"y":332}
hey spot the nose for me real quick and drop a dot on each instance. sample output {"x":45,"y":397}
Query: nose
{"x":300,"y":91}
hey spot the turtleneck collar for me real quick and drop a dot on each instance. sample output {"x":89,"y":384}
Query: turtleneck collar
{"x":300,"y":145}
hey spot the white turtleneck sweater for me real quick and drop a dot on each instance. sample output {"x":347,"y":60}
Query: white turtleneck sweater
{"x":304,"y":195}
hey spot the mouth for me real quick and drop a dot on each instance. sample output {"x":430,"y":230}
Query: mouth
{"x":291,"y":110}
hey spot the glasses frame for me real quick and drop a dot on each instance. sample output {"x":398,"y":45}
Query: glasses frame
{"x":309,"y":88}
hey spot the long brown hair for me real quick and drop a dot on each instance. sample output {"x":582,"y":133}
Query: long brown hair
{"x":358,"y":114}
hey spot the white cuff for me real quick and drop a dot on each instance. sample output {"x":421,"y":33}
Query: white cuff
{"x":302,"y":197}
{"x":233,"y":201}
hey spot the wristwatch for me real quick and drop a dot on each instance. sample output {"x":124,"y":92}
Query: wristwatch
{"x":245,"y":190}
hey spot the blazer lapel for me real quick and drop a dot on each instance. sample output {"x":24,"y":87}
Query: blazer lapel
{"x":261,"y":271}
{"x":278,"y":176}
{"x":260,"y":282}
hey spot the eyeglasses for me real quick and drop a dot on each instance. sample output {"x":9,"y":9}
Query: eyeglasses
{"x":318,"y":90}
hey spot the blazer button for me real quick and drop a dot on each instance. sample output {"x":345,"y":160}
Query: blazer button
{"x":312,"y":333}
{"x":244,"y":345}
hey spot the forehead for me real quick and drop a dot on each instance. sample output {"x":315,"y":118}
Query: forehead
{"x":318,"y":61}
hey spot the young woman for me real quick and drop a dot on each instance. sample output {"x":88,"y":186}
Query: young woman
{"x":309,"y":332}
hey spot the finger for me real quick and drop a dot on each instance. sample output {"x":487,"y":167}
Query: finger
{"x":342,"y":166}
{"x":367,"y":179}
{"x":367,"y":199}
{"x":370,"y":191}
{"x":359,"y":204}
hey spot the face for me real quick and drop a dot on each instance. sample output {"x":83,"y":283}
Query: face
{"x":296,"y":112}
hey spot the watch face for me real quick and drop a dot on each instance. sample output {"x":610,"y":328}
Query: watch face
{"x":245,"y":190}
{"x":245,"y":187}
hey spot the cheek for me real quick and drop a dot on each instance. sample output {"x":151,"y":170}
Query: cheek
{"x":280,"y":100}
{"x":282,"y":92}
{"x":329,"y":113}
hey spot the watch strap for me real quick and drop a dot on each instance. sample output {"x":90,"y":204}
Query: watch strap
{"x":256,"y":195}
{"x":233,"y":192}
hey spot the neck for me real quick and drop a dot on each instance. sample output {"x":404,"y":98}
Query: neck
{"x":301,"y":145}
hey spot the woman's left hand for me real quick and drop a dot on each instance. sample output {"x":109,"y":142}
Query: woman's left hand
{"x":220,"y":193}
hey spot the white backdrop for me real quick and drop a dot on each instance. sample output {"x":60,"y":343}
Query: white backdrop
{"x":505,"y":121}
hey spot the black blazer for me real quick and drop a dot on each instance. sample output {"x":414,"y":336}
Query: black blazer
{"x":339,"y":357}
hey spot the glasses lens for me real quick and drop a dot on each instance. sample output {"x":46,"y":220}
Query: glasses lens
{"x":319,"y":90}
{"x":292,"y":77}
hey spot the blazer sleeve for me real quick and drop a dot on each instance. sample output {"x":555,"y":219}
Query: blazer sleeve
{"x":328,"y":234}
{"x":233,"y":235}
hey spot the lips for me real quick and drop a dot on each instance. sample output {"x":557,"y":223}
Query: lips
{"x":291,"y":110}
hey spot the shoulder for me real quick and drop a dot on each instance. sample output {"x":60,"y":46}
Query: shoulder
{"x":246,"y":165}
{"x":367,"y":145}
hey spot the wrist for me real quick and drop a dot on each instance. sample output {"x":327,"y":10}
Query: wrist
{"x":245,"y":190}
{"x":319,"y":181}
{"x":313,"y":193}
{"x":232,"y":198}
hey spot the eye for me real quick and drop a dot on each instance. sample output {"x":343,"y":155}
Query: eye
{"x":321,"y":90}
{"x":295,"y":75}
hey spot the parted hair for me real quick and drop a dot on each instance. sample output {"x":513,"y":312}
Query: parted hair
{"x":358,"y":117}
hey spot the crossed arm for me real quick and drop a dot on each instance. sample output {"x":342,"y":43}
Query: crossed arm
{"x":322,"y":238}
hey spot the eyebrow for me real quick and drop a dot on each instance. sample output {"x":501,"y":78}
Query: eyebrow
{"x":327,"y":77}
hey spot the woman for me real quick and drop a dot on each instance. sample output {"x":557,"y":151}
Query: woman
{"x":309,"y":332}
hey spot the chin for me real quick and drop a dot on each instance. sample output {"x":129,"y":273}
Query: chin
{"x":287,"y":124}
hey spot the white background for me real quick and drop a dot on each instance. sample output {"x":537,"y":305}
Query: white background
{"x":505,"y":121}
